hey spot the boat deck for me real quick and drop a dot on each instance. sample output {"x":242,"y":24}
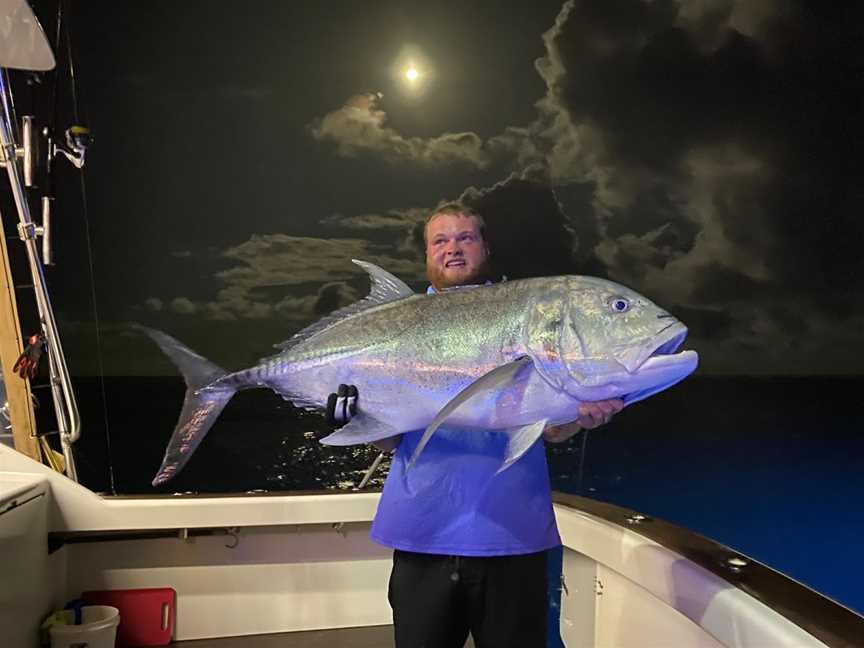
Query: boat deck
{"x":368,"y":637}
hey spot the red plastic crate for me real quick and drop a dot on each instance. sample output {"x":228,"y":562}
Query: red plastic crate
{"x":146,"y":615}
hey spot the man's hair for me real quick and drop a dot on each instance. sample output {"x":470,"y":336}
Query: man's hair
{"x":459,"y":209}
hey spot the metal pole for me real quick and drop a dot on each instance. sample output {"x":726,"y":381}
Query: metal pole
{"x":371,"y":471}
{"x":68,"y":418}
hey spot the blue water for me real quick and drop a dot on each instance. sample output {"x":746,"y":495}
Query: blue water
{"x":773,"y":468}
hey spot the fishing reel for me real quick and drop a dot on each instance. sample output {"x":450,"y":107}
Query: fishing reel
{"x":37,"y":154}
{"x":78,"y":140}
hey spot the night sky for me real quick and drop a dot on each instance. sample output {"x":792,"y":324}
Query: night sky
{"x":707,"y":154}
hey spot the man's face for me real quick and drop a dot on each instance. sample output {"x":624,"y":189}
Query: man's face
{"x":456,"y":254}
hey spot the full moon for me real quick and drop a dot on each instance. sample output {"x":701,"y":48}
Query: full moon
{"x":412,"y":73}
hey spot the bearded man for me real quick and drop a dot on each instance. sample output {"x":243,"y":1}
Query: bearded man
{"x":469,"y":544}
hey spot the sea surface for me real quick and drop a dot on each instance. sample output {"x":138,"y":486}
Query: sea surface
{"x":771,"y":467}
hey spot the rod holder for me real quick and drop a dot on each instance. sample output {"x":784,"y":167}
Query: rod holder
{"x":47,"y":249}
{"x":29,"y":152}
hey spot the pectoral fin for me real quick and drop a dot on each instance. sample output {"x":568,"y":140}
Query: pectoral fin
{"x":519,"y":440}
{"x":491,"y":381}
{"x":360,"y":429}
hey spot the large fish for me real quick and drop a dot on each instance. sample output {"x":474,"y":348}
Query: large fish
{"x":515,"y":356}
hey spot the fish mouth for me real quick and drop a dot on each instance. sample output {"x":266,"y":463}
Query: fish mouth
{"x":669,"y":340}
{"x":664,"y":364}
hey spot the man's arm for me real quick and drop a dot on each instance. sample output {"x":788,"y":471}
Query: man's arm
{"x":591,"y":415}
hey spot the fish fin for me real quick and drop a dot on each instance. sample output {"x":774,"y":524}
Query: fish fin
{"x":203,"y":403}
{"x":385,"y":288}
{"x":519,"y":440}
{"x":200,"y":410}
{"x":487,"y":382}
{"x":362,"y":428}
{"x":197,"y":370}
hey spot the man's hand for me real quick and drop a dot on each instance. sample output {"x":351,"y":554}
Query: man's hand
{"x":591,"y":415}
{"x":342,"y":405}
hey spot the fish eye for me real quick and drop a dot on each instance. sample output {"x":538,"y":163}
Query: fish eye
{"x":619,"y":304}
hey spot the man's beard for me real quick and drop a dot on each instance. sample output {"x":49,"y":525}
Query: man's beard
{"x":440,"y":280}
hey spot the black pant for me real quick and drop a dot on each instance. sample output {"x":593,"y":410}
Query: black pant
{"x":437,"y":599}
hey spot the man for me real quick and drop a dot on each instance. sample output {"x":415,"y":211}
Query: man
{"x":469,"y":544}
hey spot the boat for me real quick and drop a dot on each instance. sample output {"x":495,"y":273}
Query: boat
{"x":284,"y":564}
{"x":296,"y":568}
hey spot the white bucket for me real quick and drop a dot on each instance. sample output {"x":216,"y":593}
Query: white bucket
{"x":98,"y":628}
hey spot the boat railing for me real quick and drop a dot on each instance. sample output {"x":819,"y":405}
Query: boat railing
{"x":732,"y":596}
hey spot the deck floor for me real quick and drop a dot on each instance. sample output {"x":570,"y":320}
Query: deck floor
{"x":368,"y":637}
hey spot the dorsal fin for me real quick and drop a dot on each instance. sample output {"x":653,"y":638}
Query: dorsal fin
{"x":385,"y":288}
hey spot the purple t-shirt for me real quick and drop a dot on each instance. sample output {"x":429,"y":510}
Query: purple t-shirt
{"x":452,"y":502}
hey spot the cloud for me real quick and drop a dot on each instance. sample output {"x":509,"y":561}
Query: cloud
{"x":154,"y":304}
{"x":183,"y":306}
{"x":298,"y":279}
{"x":715,"y":139}
{"x":399,"y":229}
{"x":700,"y":152}
{"x":750,"y":152}
{"x":283,"y":260}
{"x":359,"y":127}
{"x":392,"y":220}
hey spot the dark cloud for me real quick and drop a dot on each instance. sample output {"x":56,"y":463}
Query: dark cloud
{"x":718,"y":140}
{"x":526,"y":228}
{"x":758,"y":125}
{"x":333,"y":296}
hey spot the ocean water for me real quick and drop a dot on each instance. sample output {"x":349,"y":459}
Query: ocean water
{"x":771,"y":467}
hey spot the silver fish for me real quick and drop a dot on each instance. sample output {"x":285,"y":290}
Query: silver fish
{"x":515,"y":356}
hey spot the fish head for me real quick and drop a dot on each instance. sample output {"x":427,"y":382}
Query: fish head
{"x":616,"y":343}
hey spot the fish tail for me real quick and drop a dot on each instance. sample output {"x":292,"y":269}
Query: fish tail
{"x":208,"y":390}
